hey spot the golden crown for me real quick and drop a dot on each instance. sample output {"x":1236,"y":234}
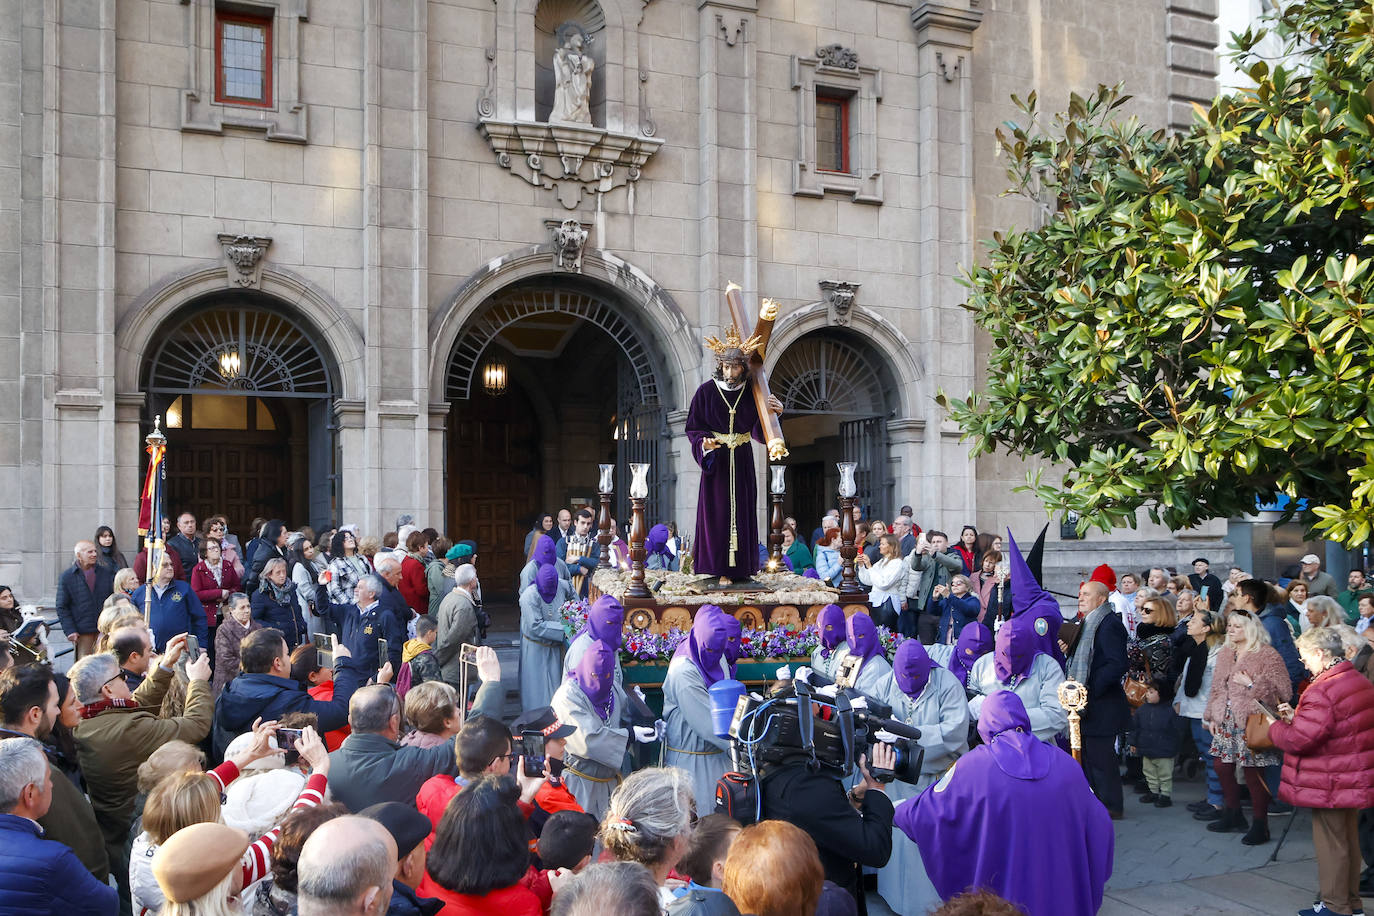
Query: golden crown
{"x":733,"y":342}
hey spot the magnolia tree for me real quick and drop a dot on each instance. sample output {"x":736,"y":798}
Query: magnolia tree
{"x":1190,"y":331}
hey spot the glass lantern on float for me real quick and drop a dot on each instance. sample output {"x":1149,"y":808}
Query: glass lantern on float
{"x":848,"y":488}
{"x":639,"y":491}
{"x":607,"y":482}
{"x":777,"y":487}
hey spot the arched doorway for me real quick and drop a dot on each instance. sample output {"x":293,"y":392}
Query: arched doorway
{"x":245,"y":395}
{"x":838,"y":393}
{"x":548,"y":380}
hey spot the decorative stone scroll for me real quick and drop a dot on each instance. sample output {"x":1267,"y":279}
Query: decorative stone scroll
{"x":838,"y":57}
{"x":570,"y":159}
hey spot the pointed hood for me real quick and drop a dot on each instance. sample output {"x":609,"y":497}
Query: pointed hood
{"x":595,"y":674}
{"x":911,"y":667}
{"x":546,"y":582}
{"x":862,"y":635}
{"x":1006,"y":730}
{"x":1017,"y":646}
{"x":706,"y":642}
{"x":605,"y":621}
{"x":975,"y":641}
{"x":733,"y":630}
{"x":1027,"y":595}
{"x":657,"y":541}
{"x":543,"y":552}
{"x":1036,"y":558}
{"x":830,"y":626}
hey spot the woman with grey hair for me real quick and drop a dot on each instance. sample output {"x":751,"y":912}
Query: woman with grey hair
{"x":650,"y":820}
{"x":274,"y":603}
{"x":623,"y":888}
{"x":1328,"y":763}
{"x":1322,"y":611}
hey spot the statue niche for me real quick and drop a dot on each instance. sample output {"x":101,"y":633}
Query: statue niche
{"x":572,"y":76}
{"x":570,"y":63}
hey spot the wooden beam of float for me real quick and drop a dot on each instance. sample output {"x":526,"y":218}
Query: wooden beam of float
{"x":763,"y":329}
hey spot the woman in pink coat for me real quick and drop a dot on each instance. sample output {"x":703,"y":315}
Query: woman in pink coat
{"x":1328,"y":764}
{"x":1249,"y":670}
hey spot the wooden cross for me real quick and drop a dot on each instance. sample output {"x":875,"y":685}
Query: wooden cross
{"x":763,"y":329}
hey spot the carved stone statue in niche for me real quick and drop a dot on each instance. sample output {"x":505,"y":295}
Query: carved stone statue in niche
{"x":572,"y":74}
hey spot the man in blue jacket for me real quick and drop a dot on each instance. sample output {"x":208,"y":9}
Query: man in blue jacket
{"x":81,"y":593}
{"x":369,"y":619}
{"x":37,"y":875}
{"x":266,"y":690}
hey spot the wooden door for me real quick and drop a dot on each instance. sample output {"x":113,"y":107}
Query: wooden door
{"x":236,"y":480}
{"x":494,"y":484}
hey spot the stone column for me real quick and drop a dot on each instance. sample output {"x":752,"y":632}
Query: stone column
{"x":395,"y":286}
{"x":24,"y":24}
{"x":354,"y":476}
{"x":728,"y":128}
{"x":67,"y":436}
{"x":944,"y":65}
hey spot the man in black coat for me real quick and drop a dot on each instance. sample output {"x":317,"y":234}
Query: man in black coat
{"x":1107,"y":714}
{"x":272,"y":545}
{"x":850,"y":830}
{"x":81,"y":593}
{"x":185,"y":543}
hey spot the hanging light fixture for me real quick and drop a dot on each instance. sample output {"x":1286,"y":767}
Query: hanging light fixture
{"x":229,"y":364}
{"x":494,"y":378}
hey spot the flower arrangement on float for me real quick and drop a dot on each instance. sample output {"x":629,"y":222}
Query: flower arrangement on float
{"x":775,"y":644}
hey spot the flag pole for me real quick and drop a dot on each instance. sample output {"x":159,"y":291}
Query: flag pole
{"x":157,"y":450}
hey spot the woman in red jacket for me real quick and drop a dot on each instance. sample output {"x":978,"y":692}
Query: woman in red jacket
{"x":414,"y":585}
{"x":1248,"y":670}
{"x":213,"y":580}
{"x":1328,"y":764}
{"x":481,"y":852}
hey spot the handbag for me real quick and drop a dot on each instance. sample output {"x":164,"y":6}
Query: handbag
{"x":1257,"y":732}
{"x":1137,"y":689}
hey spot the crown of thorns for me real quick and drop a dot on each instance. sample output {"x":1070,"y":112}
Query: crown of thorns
{"x":732,"y":342}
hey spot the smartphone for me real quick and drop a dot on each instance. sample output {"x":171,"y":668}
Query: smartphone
{"x":287,"y":738}
{"x":324,"y":645}
{"x":467,"y":654}
{"x":530,"y":747}
{"x":381,"y":653}
{"x":192,"y":648}
{"x":1269,"y":711}
{"x":1202,"y":593}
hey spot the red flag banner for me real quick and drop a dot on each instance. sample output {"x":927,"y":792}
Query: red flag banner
{"x":149,"y":506}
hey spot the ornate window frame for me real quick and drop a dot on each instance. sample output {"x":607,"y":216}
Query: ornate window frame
{"x":835,"y":72}
{"x":286,"y":118}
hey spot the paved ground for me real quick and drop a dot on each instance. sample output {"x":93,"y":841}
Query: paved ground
{"x":1168,"y":864}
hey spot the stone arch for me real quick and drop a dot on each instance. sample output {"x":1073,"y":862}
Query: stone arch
{"x":137,"y":334}
{"x":886,"y":340}
{"x":642,"y":302}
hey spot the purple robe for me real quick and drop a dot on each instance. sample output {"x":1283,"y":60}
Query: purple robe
{"x":708,"y":415}
{"x":1014,"y":816}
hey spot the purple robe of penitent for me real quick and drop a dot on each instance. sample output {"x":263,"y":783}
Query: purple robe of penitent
{"x":1015,"y":816}
{"x":707,"y":417}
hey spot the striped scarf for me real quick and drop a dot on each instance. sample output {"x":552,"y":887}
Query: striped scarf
{"x":1082,"y":661}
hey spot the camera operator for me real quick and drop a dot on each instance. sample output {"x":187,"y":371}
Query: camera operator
{"x":850,"y":830}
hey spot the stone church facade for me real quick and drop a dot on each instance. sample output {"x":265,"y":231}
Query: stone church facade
{"x":337,"y":248}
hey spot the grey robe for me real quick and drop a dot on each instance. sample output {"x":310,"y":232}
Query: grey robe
{"x":1039,"y":690}
{"x":940,"y":654}
{"x":600,"y":745}
{"x":829,"y":666}
{"x":941,"y":713}
{"x":528,"y":571}
{"x":691,"y":742}
{"x":541,"y":645}
{"x":575,"y":651}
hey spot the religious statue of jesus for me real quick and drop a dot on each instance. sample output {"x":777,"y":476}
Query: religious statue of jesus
{"x":721,"y":421}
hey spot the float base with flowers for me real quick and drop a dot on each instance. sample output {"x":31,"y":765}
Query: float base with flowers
{"x":778,"y":621}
